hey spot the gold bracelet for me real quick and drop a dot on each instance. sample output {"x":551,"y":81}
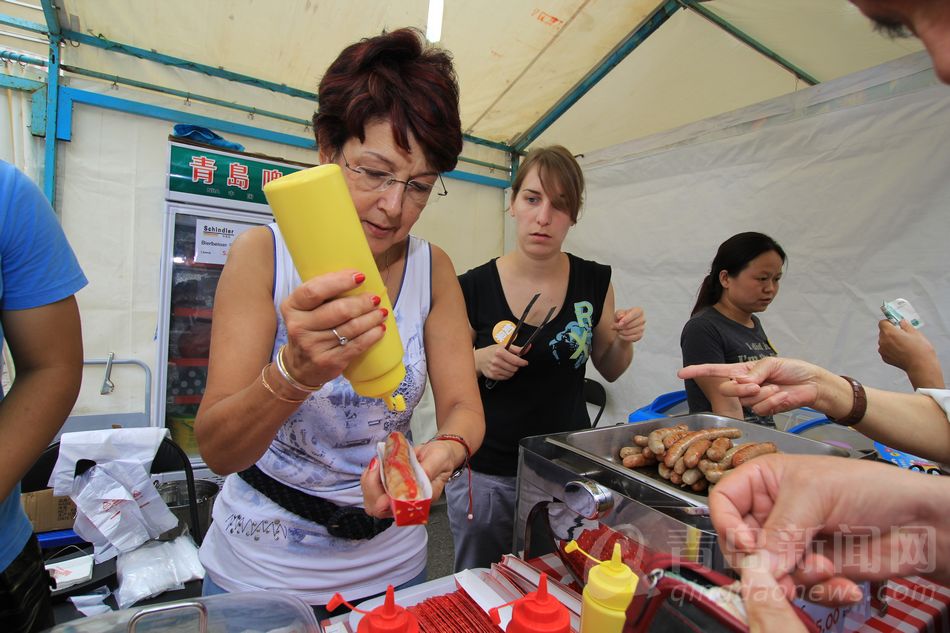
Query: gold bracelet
{"x":296,"y":384}
{"x":274,"y":393}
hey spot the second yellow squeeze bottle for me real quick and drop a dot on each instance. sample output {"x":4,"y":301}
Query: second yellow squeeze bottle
{"x":607,"y":594}
{"x":322,"y":231}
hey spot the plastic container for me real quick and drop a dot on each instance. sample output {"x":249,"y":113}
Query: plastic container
{"x":536,"y":612}
{"x":183,"y":432}
{"x":175,"y":496}
{"x":388,"y":617}
{"x":323,"y":233}
{"x":249,"y":611}
{"x":607,"y":594}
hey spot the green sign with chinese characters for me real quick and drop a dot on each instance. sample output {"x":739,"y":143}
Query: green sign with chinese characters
{"x":221,"y":178}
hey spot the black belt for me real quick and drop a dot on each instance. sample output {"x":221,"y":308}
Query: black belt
{"x":347,"y":522}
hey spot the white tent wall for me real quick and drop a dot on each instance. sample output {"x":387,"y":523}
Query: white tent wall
{"x":111,"y":181}
{"x":692,"y":69}
{"x":851,"y":177}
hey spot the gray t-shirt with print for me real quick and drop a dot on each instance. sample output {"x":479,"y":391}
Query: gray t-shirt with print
{"x":711,"y":337}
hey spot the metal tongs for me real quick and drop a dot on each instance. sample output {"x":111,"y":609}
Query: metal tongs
{"x":489,"y":383}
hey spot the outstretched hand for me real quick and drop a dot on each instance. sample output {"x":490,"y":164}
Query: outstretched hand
{"x":768,"y":385}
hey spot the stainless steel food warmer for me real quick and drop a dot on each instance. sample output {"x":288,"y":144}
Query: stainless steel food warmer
{"x":572,"y":481}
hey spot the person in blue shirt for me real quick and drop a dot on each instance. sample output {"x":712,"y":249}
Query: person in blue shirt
{"x":39,"y":320}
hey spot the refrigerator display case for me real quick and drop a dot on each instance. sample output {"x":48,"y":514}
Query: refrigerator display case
{"x":213,"y":196}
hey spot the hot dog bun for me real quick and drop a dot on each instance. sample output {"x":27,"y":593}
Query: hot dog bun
{"x":397,"y":468}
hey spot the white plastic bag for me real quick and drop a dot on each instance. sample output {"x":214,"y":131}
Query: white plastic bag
{"x":184,"y":557}
{"x":106,"y":515}
{"x":118,"y":508}
{"x":156,"y":517}
{"x":92,"y":603}
{"x":144,"y":572}
{"x":156,"y":567}
{"x":131,"y":445}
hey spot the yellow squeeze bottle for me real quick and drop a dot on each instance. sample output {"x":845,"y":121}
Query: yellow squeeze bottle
{"x":607,"y":594}
{"x":322,"y":231}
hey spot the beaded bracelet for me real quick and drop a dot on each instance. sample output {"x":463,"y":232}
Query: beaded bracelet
{"x":451,"y":437}
{"x":296,"y":384}
{"x":271,"y":389}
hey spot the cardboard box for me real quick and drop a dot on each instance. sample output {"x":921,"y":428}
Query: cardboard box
{"x":47,"y":512}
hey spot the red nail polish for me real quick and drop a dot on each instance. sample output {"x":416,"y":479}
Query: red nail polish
{"x":376,"y":300}
{"x":383,"y":325}
{"x":372,"y":464}
{"x":359,"y":278}
{"x":385,"y":312}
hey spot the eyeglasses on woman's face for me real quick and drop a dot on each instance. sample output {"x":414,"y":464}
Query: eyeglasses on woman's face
{"x":369,"y":179}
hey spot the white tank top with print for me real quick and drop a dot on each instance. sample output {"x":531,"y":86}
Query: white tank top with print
{"x":322,"y":449}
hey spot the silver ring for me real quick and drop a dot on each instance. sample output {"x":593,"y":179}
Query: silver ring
{"x":343,"y":340}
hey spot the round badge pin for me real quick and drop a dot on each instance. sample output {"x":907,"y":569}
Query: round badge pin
{"x":502,"y":331}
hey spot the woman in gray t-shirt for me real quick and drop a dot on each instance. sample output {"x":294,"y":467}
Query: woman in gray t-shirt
{"x":743,"y":279}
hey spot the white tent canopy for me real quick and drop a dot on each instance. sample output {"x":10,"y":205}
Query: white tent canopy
{"x":672,"y":103}
{"x":515,"y":60}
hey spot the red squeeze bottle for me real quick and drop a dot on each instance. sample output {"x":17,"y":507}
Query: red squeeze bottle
{"x":388,"y":617}
{"x":537,"y":612}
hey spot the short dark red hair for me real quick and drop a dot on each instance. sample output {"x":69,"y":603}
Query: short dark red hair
{"x":394,"y":76}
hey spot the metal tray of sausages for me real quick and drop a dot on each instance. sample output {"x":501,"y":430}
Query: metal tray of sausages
{"x":603,"y":446}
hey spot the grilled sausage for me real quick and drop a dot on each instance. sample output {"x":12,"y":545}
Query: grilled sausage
{"x":714,"y":474}
{"x":695,"y":452}
{"x":664,"y":471}
{"x":700,"y":485}
{"x":672,"y":438}
{"x":726,"y":461}
{"x":630,"y":450}
{"x":691,"y":476}
{"x":718,"y":449}
{"x":636,"y":461}
{"x":748,"y":451}
{"x":679,"y":448}
{"x":655,"y":439}
{"x":679,"y":467}
{"x":641,"y":440}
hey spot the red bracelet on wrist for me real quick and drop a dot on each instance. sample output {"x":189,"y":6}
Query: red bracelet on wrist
{"x":451,"y":437}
